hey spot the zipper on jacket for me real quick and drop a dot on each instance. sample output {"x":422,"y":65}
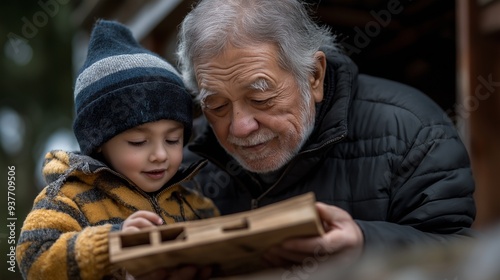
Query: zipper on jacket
{"x":154,"y":200}
{"x":254,"y":204}
{"x":156,"y":207}
{"x":182,"y":198}
{"x":255,"y":201}
{"x":177,"y":195}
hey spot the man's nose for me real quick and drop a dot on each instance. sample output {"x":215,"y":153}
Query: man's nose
{"x":243,"y":121}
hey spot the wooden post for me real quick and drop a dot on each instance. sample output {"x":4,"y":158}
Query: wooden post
{"x":478,"y":83}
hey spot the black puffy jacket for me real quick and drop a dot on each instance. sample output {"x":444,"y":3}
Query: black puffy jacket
{"x":380,"y":150}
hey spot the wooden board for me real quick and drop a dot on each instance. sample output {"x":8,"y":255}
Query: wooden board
{"x":234,"y":243}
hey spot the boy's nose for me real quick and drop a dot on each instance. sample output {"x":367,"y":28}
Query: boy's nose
{"x":159,"y":153}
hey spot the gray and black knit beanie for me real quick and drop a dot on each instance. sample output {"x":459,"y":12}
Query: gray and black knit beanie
{"x":122,"y":85}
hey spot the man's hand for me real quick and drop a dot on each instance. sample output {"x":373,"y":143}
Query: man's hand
{"x":141,"y":219}
{"x":343,"y":240}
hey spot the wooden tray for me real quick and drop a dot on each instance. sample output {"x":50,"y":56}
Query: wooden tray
{"x":233,"y":243}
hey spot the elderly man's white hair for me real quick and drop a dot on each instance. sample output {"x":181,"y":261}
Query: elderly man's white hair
{"x":213,"y":24}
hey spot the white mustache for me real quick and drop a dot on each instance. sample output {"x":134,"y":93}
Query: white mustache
{"x":252,"y":140}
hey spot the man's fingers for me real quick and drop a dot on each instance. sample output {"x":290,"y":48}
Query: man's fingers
{"x":272,"y":260}
{"x":303,"y":245}
{"x":330,"y":214}
{"x":293,"y":256}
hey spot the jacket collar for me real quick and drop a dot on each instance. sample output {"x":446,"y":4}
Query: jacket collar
{"x":332,"y":113}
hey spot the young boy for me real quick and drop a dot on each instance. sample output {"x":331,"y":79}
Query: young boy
{"x":133,"y":117}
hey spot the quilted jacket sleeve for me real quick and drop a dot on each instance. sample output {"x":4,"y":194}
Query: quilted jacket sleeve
{"x":431,"y":193}
{"x":55,"y":244}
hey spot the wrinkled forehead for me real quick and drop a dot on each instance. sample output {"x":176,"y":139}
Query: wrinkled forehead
{"x":258,"y":84}
{"x":251,"y":67}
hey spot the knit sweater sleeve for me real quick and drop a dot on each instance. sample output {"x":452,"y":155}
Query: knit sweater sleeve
{"x":56,"y":243}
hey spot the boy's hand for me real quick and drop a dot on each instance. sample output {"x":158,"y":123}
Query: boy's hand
{"x":141,"y":219}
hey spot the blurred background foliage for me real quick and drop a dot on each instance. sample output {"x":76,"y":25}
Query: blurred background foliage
{"x":35,"y":100}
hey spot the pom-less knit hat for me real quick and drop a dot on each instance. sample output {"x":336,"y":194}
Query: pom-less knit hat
{"x":122,"y":85}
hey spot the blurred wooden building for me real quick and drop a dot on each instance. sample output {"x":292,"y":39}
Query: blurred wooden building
{"x":449,"y":49}
{"x":478,"y":80}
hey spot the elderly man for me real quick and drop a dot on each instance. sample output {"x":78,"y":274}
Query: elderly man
{"x":286,"y":112}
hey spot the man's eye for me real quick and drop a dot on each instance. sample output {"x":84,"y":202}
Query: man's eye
{"x":216,"y":108}
{"x":219,"y":107}
{"x":261,"y":102}
{"x":136,"y":143}
{"x":214,"y":103}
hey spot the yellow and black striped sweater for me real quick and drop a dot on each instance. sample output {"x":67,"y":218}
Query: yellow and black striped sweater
{"x":65,"y":236}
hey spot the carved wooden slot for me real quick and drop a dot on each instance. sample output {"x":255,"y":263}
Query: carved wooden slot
{"x":172,"y":234}
{"x":135,"y":240}
{"x":238,"y":225}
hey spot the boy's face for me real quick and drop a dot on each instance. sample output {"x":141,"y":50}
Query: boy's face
{"x":148,"y":155}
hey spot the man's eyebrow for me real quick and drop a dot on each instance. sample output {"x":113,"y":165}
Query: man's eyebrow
{"x":202,"y":96}
{"x":204,"y":93}
{"x":260,"y":84}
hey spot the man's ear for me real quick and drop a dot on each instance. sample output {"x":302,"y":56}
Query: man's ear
{"x":317,"y":78}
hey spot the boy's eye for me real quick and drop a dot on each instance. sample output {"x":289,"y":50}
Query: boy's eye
{"x":136,"y":143}
{"x":173,"y":142}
